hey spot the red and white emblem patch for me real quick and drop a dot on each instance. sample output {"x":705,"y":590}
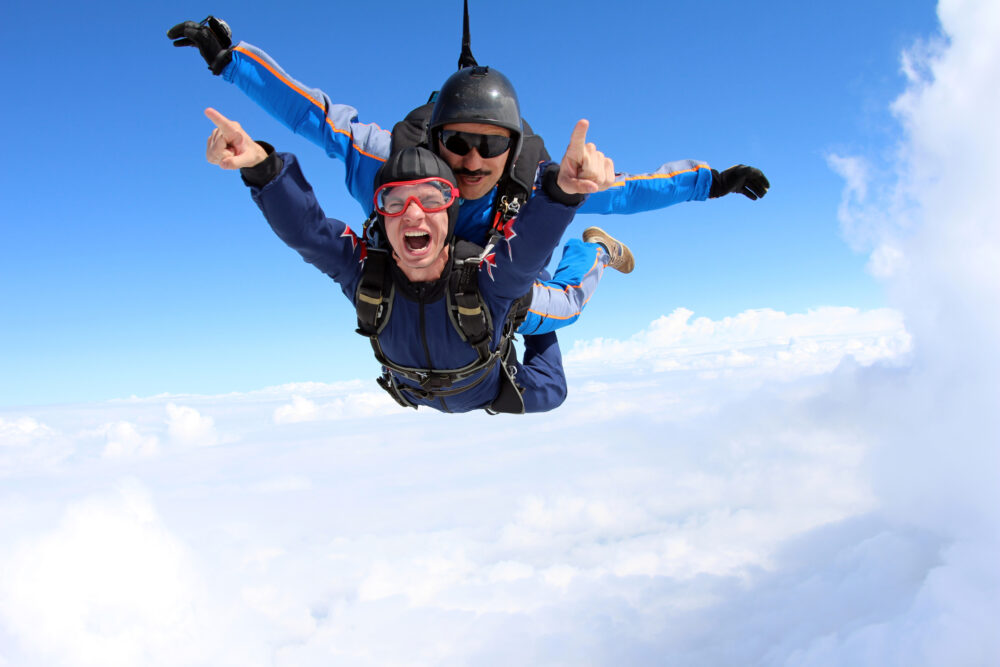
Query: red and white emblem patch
{"x":508,"y":234}
{"x":348,"y":233}
{"x":490,"y":261}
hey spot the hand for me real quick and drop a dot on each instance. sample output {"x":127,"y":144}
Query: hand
{"x":748,"y":181}
{"x":212,"y":37}
{"x":229,"y":146}
{"x":584,"y":169}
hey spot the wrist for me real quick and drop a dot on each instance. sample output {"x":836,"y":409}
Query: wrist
{"x":717,"y":189}
{"x":264,"y":171}
{"x":550,"y":184}
{"x":222,"y":59}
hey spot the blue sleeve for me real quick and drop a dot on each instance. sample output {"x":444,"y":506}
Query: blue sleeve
{"x":289,"y":204}
{"x":673,"y":182}
{"x":512,"y":267}
{"x":308,"y":112}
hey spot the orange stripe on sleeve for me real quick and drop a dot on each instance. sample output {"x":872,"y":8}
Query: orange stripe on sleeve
{"x":645,"y":177}
{"x":569,"y":287}
{"x":306,"y":95}
{"x":564,"y":289}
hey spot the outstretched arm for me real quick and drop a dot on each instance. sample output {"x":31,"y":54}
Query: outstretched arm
{"x":306,"y":111}
{"x":540,"y":225}
{"x":363,"y":147}
{"x":288,"y":202}
{"x":672,"y":183}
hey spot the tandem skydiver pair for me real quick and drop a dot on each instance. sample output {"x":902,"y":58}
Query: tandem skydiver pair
{"x":474,"y":124}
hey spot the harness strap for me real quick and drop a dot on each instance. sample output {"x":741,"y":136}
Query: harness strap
{"x":373,"y":304}
{"x":471,"y":317}
{"x":427,"y":393}
{"x":435,"y":381}
{"x":388,"y":382}
{"x":510,"y":398}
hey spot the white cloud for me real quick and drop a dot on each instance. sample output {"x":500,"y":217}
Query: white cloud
{"x":936,"y":469}
{"x":27,"y":442}
{"x":768,"y":343}
{"x":284,"y":484}
{"x":22,"y":432}
{"x":187,"y":426}
{"x":299,"y":410}
{"x":356,"y":405}
{"x":123,"y":439}
{"x":109,"y":585}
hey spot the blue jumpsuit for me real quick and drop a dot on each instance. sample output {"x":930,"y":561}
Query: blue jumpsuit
{"x":363,"y":147}
{"x":419,"y":332}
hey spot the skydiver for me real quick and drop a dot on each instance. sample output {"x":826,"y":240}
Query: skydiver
{"x":476,"y":127}
{"x":428,"y":357}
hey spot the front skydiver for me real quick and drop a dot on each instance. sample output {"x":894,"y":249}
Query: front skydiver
{"x":427,"y":355}
{"x":363,"y":147}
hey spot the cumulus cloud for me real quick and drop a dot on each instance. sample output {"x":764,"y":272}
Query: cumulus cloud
{"x":937,"y":466}
{"x":28,"y":442}
{"x":188,"y":426}
{"x":108,"y":585}
{"x":772,"y":343}
{"x":356,"y":405}
{"x":123,"y":439}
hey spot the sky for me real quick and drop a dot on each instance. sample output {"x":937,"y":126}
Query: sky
{"x":156,"y":274}
{"x":782,"y":450}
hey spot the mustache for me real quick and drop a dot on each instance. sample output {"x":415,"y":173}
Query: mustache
{"x":462,"y":171}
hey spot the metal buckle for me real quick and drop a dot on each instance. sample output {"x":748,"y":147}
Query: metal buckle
{"x":510,"y":207}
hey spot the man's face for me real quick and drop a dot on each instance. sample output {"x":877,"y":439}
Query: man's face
{"x":476,"y":175}
{"x":418,"y":238}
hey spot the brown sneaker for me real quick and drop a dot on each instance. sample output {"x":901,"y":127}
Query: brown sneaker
{"x":621,"y":257}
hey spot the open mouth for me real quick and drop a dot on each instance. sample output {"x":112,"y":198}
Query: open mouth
{"x":416,"y":241}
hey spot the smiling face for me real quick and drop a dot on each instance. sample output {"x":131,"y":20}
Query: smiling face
{"x":476,"y":175}
{"x":419,"y":239}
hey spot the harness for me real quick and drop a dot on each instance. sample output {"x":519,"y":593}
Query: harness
{"x":467,"y":311}
{"x":469,"y":315}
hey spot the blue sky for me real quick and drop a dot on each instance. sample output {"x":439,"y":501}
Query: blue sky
{"x":780,"y":441}
{"x":131,"y":267}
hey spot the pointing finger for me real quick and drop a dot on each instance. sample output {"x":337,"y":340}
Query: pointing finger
{"x":227,"y":126}
{"x":578,"y":140}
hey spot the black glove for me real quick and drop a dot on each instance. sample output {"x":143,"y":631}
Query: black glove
{"x":749,"y":181}
{"x":213,"y":38}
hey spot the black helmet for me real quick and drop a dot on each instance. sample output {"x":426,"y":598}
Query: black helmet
{"x":478,"y":95}
{"x":411,"y":164}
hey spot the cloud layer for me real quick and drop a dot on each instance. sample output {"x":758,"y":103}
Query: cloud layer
{"x":332,"y":526}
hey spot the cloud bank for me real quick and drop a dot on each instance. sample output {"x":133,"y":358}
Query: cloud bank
{"x":336,"y":528}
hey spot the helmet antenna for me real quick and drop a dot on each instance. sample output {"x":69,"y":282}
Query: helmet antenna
{"x":466,"y":59}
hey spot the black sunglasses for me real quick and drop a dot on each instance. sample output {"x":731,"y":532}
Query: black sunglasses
{"x":487,"y":145}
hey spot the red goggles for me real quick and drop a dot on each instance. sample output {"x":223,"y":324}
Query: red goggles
{"x":430,"y":194}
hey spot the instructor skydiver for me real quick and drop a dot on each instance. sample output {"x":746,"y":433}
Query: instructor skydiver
{"x":428,"y":353}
